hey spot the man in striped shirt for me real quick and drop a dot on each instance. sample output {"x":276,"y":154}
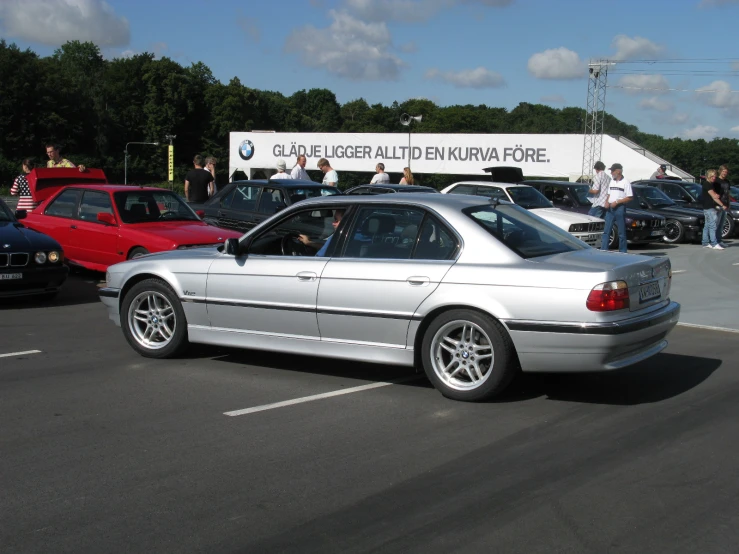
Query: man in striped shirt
{"x":22,"y":189}
{"x":599,"y":190}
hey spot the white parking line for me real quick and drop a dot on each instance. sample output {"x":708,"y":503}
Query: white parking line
{"x":20,"y":353}
{"x":331,"y":394}
{"x":708,"y":327}
{"x":678,"y":271}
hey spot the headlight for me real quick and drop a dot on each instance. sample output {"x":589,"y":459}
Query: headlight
{"x":40,"y":257}
{"x":577,"y":227}
{"x":54,"y":256}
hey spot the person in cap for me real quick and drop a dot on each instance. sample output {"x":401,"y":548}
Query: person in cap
{"x":598,"y":193}
{"x":661,"y":172}
{"x":619,"y":194}
{"x":281,"y":167}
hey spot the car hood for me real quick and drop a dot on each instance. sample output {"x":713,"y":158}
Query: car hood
{"x":561,"y":217}
{"x":641,"y":214}
{"x":185,"y":232}
{"x":677,"y":210}
{"x":20,"y":238}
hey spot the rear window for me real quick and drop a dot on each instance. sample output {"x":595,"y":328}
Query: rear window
{"x":529,"y":198}
{"x":296,"y":194}
{"x":527,"y":235}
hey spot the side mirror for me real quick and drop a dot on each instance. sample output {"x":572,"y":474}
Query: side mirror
{"x":21,"y":214}
{"x":200,"y":213}
{"x":232,"y":247}
{"x":108,"y":219}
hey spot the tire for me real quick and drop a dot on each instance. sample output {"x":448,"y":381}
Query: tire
{"x":674,"y":231}
{"x":137,"y":253}
{"x":443,"y":348}
{"x":728,"y":229}
{"x":613,"y":239}
{"x":153,"y":320}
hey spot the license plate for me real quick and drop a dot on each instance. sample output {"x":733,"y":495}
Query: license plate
{"x":658,"y":233}
{"x":649,"y":291}
{"x":593,"y":238}
{"x":6,"y":276}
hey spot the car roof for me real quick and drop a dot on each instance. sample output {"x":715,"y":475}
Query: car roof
{"x":441,"y":201}
{"x":660,"y":181}
{"x":115,"y":188}
{"x":492,"y":184}
{"x":548,"y":182}
{"x":286,"y":183}
{"x":404,"y":188}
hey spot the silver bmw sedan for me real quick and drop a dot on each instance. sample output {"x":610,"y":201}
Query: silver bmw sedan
{"x":470,"y":290}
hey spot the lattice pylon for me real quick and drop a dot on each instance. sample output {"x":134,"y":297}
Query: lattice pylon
{"x":594,"y":118}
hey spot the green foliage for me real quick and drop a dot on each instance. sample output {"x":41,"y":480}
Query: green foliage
{"x":93,"y":107}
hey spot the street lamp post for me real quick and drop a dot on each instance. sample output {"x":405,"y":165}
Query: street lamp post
{"x":406,"y":120}
{"x":125,"y":160}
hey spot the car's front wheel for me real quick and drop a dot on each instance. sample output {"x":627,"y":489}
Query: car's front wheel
{"x":154,"y":322}
{"x":727,"y":231}
{"x":468,"y":355}
{"x":674,"y":231}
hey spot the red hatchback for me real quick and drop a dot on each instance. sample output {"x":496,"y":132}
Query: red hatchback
{"x":99,"y":224}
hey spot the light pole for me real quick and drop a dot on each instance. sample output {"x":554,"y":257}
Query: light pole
{"x":170,"y":160}
{"x":125,"y":161}
{"x":406,"y":120}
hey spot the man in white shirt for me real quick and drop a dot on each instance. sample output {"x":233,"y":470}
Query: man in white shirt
{"x":330,"y":177}
{"x":281,"y":166}
{"x":380,"y":176}
{"x":619,"y":194}
{"x":299,"y":171}
{"x":598,"y":193}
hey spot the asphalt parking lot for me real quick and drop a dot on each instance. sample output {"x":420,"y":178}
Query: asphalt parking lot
{"x":105,"y":451}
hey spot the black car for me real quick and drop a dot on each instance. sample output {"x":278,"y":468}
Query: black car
{"x":385,"y":188}
{"x":641,"y":226}
{"x":682,"y":223}
{"x":685,"y":193}
{"x":31,"y":263}
{"x":241,"y":205}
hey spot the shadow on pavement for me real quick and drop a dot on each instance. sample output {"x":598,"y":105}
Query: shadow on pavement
{"x":81,"y":287}
{"x":659,"y":378}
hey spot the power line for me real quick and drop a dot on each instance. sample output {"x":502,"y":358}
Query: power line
{"x":670,"y":89}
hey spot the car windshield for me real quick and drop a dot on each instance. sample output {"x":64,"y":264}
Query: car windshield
{"x":527,"y":235}
{"x":693,"y":188}
{"x":654,"y":196}
{"x":529,"y":198}
{"x":581,"y":191}
{"x":146,"y":206}
{"x":296,"y":194}
{"x":5,"y":213}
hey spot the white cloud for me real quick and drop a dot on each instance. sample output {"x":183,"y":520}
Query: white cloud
{"x":409,"y":11}
{"x":701,"y":132}
{"x":128,"y":54}
{"x":479,"y":78}
{"x":556,"y":63}
{"x":655,"y":103}
{"x":348,"y":48}
{"x":643,"y":84}
{"x":553,"y":99}
{"x":54,"y":22}
{"x":735,"y":130}
{"x":628,"y":48}
{"x":719,"y":95}
{"x":679,"y":119}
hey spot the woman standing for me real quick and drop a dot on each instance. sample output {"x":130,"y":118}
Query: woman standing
{"x":407,"y":177}
{"x":22,"y":189}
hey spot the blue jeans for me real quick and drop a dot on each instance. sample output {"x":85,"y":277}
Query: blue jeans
{"x":617,"y":215}
{"x":597,"y":211}
{"x":709,"y":227}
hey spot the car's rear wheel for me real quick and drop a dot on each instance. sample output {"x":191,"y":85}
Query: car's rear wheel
{"x":613,"y":238}
{"x":137,"y":252}
{"x":727,"y":231}
{"x":468,"y":355}
{"x":154,"y":322}
{"x":674,"y":231}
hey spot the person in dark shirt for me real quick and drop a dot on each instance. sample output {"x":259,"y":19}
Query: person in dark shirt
{"x":711,"y":204}
{"x":197,"y":182}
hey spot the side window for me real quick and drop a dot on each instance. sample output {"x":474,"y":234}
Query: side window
{"x":271,"y":201}
{"x":492,"y":192}
{"x":672,"y":191}
{"x":380,"y":190}
{"x":93,"y":203}
{"x":548,"y":191}
{"x":559,"y":196}
{"x":388,"y":233}
{"x":360,"y":190}
{"x":245,"y":198}
{"x":463,"y":189}
{"x":227,"y":198}
{"x":282,"y":239}
{"x":435,"y":242}
{"x":64,"y":205}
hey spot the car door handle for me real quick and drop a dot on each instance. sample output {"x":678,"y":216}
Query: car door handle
{"x":72,"y":226}
{"x":418,"y":281}
{"x":307,"y":276}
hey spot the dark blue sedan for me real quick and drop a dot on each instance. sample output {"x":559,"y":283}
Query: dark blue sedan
{"x":31,"y":263}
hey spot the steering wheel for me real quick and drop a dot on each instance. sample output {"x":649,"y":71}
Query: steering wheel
{"x":291,"y":245}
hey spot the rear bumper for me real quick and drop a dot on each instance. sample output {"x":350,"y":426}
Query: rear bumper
{"x":36,"y":280}
{"x":574,"y":347}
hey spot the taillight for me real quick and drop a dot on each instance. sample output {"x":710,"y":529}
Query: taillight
{"x":607,"y":297}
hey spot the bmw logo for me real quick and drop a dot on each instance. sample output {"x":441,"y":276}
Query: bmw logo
{"x":246,"y":149}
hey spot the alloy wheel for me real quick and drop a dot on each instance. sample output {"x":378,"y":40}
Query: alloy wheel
{"x":462,"y":355}
{"x":152,"y":320}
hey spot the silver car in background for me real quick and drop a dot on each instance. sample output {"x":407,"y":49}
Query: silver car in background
{"x":470,"y":290}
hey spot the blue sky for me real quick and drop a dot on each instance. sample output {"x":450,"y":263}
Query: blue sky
{"x":494,"y":52}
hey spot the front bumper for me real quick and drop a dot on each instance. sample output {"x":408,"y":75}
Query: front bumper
{"x":109,"y":297}
{"x":645,"y":234}
{"x":575,"y":347}
{"x":35,"y":280}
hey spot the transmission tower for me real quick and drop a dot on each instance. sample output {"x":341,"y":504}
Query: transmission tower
{"x":596,"y":109}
